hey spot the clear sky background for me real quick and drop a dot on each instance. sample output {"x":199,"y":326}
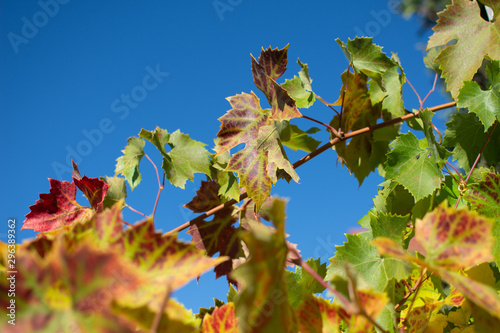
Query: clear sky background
{"x":66,"y":65}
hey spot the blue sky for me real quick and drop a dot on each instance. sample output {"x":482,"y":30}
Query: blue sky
{"x":67,"y":68}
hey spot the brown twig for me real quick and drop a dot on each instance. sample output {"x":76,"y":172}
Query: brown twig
{"x":307,"y":158}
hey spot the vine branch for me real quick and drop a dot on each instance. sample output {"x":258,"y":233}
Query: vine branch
{"x":307,"y":158}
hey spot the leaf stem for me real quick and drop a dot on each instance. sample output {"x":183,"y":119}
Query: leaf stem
{"x":416,"y":93}
{"x":307,"y":158}
{"x":417,"y":286}
{"x":327,"y":104}
{"x":430,"y":91}
{"x":339,"y":135}
{"x":160,"y":186}
{"x":135,"y":210}
{"x":458,"y":173}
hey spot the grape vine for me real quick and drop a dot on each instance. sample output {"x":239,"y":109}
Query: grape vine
{"x":426,"y":262}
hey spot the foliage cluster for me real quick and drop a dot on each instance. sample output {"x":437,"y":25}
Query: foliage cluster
{"x":427,"y":261}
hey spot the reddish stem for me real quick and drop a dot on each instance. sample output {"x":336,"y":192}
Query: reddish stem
{"x":334,"y":131}
{"x":160,"y":186}
{"x":327,"y":104}
{"x":477,"y":160}
{"x":430,"y":91}
{"x":416,"y":93}
{"x":136,"y":211}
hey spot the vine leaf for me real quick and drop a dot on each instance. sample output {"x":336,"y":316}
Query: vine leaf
{"x":218,"y":235}
{"x":467,"y":135}
{"x":55,"y":288}
{"x":484,"y":103}
{"x":227,"y":180}
{"x":263,"y":155}
{"x":386,"y":83}
{"x":299,"y":88}
{"x":174,"y":319}
{"x":484,"y":197}
{"x":261,"y":278}
{"x":317,"y":315}
{"x":295,"y":138}
{"x":476,"y":39}
{"x":128,"y":164}
{"x":56,"y":209}
{"x":367,"y":262}
{"x":187,"y":157}
{"x":271,"y":65}
{"x":222,"y":320}
{"x":117,"y":190}
{"x":164,"y":260}
{"x":363,"y":153}
{"x":413,"y":167}
{"x":94,"y":189}
{"x":367,"y":58}
{"x":455,"y":239}
{"x":388,"y":225}
{"x":300,"y":283}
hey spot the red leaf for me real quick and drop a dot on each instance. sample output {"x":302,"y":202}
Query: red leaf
{"x":93,"y":188}
{"x":56,"y":209}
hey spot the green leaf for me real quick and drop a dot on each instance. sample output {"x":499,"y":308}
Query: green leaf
{"x":413,"y":167}
{"x":116,"y":192}
{"x":363,"y":153}
{"x":467,"y":135}
{"x":476,"y":39}
{"x":159,"y":137}
{"x":186,"y":157}
{"x":367,"y":262}
{"x":296,"y":90}
{"x":128,"y":164}
{"x":484,"y":103}
{"x":392,"y":96}
{"x":393,"y":198}
{"x":299,"y":88}
{"x":391,"y":226}
{"x":262,"y":278}
{"x":300,"y":283}
{"x":438,"y":152}
{"x":367,"y":58}
{"x":298,"y":139}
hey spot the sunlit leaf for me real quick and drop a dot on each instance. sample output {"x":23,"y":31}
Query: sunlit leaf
{"x":56,"y":209}
{"x":476,"y":38}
